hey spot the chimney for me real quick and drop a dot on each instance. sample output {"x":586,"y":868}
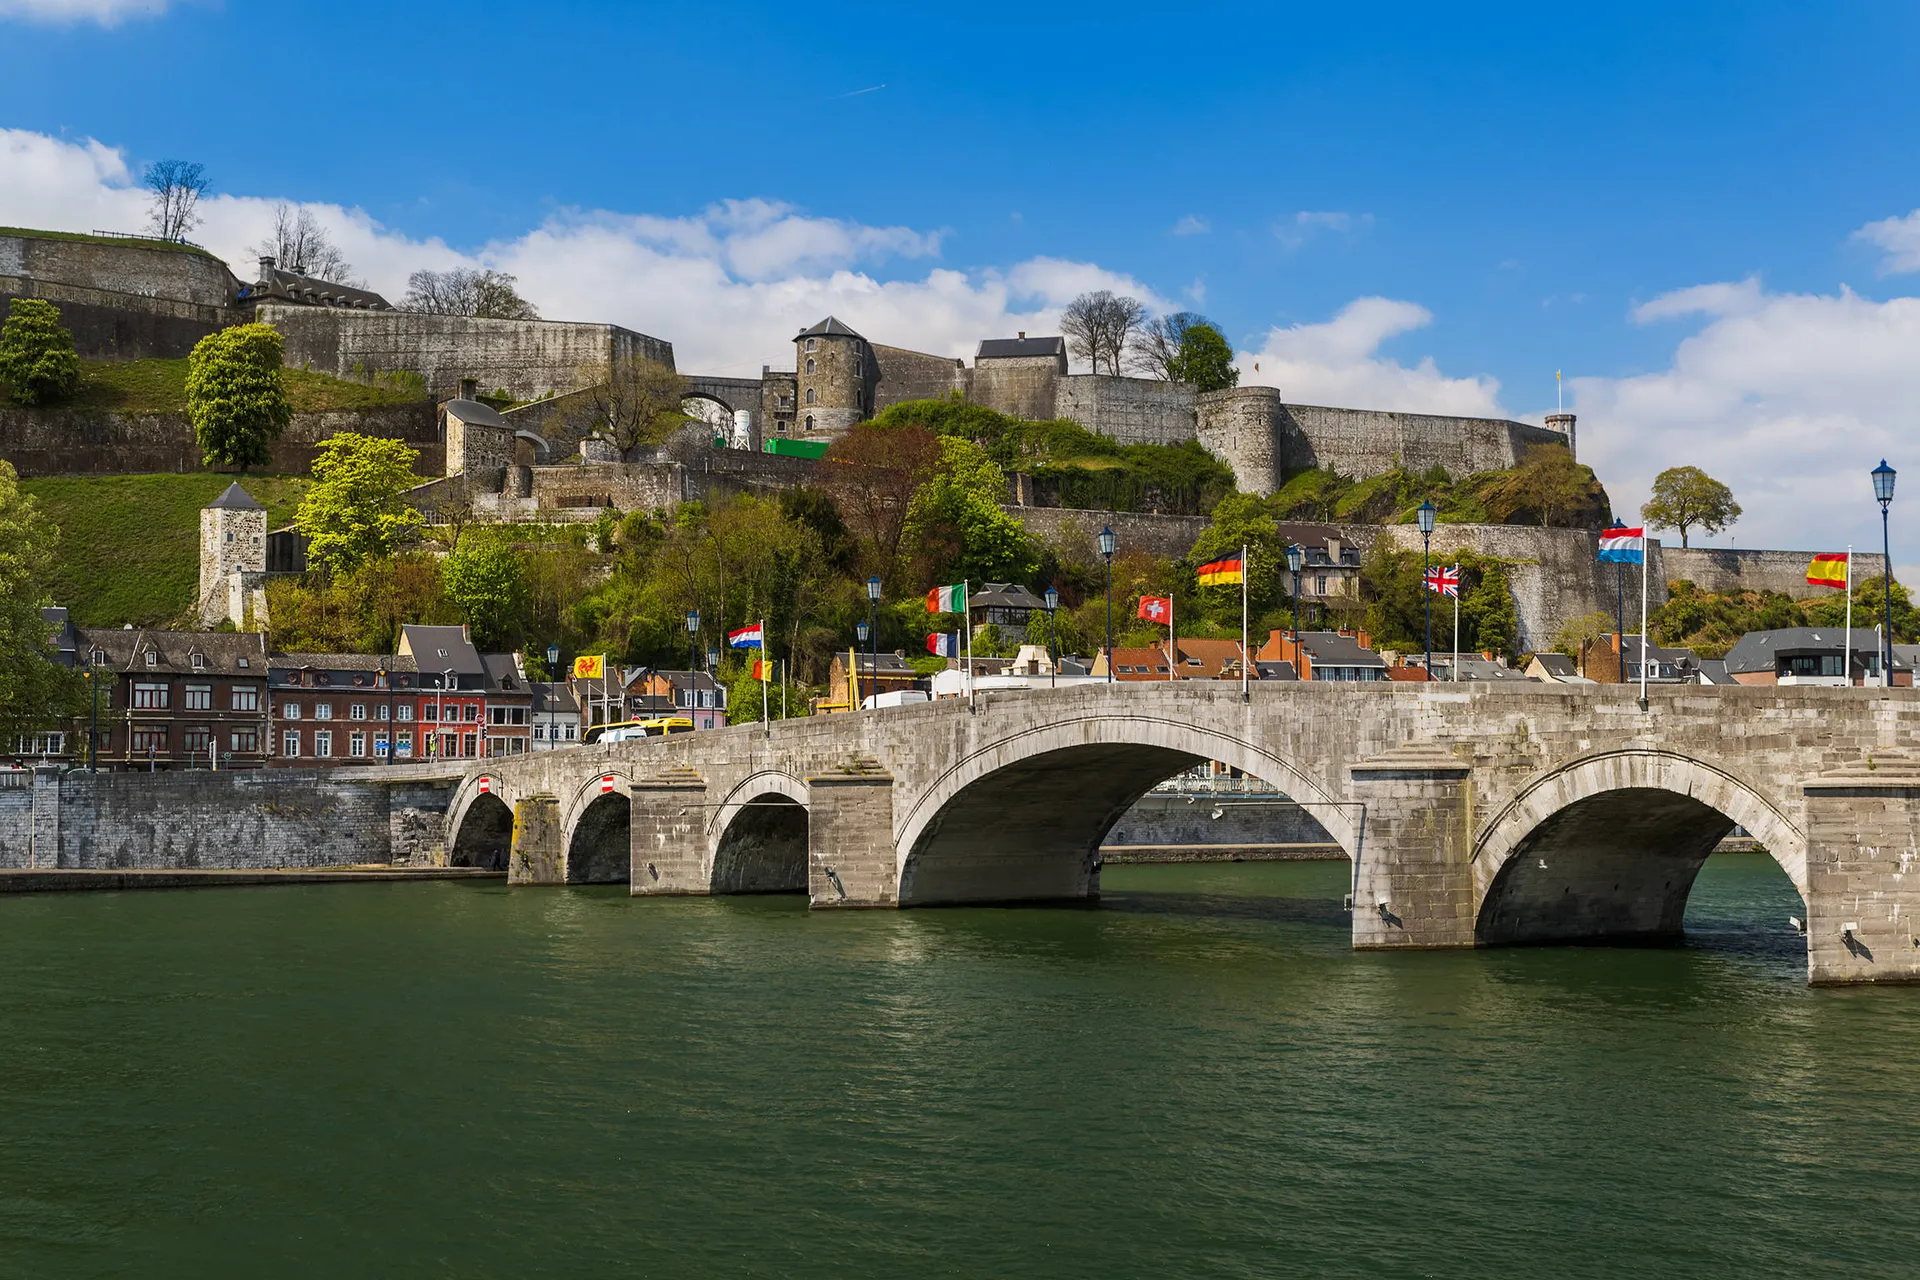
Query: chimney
{"x":266,"y":270}
{"x":469,"y":388}
{"x":1023,"y":333}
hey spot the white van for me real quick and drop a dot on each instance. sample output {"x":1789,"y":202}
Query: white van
{"x":895,"y":698}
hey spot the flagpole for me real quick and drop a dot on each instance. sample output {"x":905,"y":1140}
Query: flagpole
{"x":1646,"y":568}
{"x":766,"y":712}
{"x":1173,"y":652}
{"x":1846,"y":654}
{"x":1456,"y":629}
{"x":1244,"y":662}
{"x":966,"y":624}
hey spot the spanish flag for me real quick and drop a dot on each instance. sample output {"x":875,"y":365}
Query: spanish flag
{"x":1221,"y":572}
{"x":590,"y":667}
{"x":1829,"y":569}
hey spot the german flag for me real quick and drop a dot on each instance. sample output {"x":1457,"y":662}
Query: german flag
{"x":1222,"y":572}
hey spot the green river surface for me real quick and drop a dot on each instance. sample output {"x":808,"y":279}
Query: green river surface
{"x":1196,"y":1077}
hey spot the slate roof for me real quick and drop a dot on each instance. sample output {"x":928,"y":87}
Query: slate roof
{"x":503,"y":674}
{"x":1019,"y":348}
{"x":441,"y":649}
{"x":475,"y":414}
{"x":1331,"y":649}
{"x":831,"y":327}
{"x":1004,"y":595}
{"x":552,"y":698}
{"x":341,"y":662}
{"x":235,"y":499}
{"x":125,"y":650}
{"x":1759,"y":650}
{"x":1557,"y":665}
{"x":276,"y":284}
{"x":1475,"y":667}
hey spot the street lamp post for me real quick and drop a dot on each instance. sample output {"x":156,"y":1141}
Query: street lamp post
{"x":1426,"y":514}
{"x":693,"y":652}
{"x":873,"y":610}
{"x":1296,"y":557}
{"x":93,"y":729}
{"x":553,"y":678}
{"x":1883,"y":494}
{"x":1106,"y":553}
{"x":382,"y":676}
{"x":1053,"y":659}
{"x":862,"y":630}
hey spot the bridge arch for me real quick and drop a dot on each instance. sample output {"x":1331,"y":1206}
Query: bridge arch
{"x":596,"y":828}
{"x":480,"y":823}
{"x":1023,"y":817}
{"x":758,"y":834}
{"x":1609,"y":845}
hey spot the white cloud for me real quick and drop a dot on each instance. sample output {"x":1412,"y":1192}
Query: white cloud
{"x":1293,"y":232}
{"x":1790,"y":399}
{"x":1191,"y":225}
{"x":107,"y":13}
{"x":1339,"y":363}
{"x":1899,"y":238}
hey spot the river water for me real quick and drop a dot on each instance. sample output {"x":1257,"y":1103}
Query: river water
{"x":1195,"y":1078}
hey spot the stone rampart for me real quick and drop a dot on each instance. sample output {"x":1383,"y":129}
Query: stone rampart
{"x":526,"y":358}
{"x":1242,"y":427}
{"x":1171,"y":536}
{"x":1020,"y":387}
{"x":123,"y":326}
{"x":915,"y":375}
{"x":57,"y":441}
{"x":1730,"y":569}
{"x":182,"y":274}
{"x":1368,"y":442}
{"x":1130,"y":410}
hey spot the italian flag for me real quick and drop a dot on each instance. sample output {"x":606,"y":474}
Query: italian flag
{"x":948,"y":599}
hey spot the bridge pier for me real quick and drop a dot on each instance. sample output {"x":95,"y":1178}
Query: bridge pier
{"x":1414,"y":877}
{"x":851,"y":857}
{"x":669,"y":835}
{"x":1863,"y":873}
{"x":538,"y":852}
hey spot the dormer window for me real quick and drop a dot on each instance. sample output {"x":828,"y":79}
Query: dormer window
{"x":198,"y":661}
{"x":99,"y":658}
{"x":153,"y":657}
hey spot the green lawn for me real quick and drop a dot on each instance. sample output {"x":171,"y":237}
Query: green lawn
{"x":160,"y":386}
{"x":129,"y":547}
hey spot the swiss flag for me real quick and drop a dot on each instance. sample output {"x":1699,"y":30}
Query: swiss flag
{"x":1156,"y":608}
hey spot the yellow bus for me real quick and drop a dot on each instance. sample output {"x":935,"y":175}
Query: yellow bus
{"x":627,"y":730}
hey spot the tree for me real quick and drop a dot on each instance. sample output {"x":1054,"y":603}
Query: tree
{"x":357,"y":510}
{"x":487,"y":295}
{"x":872,"y":473}
{"x":37,"y":360}
{"x":1547,"y":484}
{"x":1099,"y":326}
{"x":35,"y":693}
{"x":301,"y":245}
{"x":1204,"y":359}
{"x":956,"y":527}
{"x":234,"y":397}
{"x":637,"y":403}
{"x":1687,"y":496}
{"x":488,"y":582}
{"x":1156,"y":349}
{"x":174,"y":207}
{"x":1581,"y":633}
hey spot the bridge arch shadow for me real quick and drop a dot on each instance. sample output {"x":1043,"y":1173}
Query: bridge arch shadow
{"x":1607,"y":848}
{"x":483,"y":836}
{"x":759,"y":837}
{"x":600,"y":840}
{"x":1023,"y":819}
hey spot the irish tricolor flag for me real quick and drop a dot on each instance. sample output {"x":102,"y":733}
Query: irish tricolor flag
{"x":948,"y":599}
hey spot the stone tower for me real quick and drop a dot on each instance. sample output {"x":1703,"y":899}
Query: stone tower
{"x":1563,"y":423}
{"x":836,"y":375}
{"x":233,"y":540}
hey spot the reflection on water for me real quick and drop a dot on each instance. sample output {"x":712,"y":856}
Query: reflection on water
{"x":1197,"y":1077}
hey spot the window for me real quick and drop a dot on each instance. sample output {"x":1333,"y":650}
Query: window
{"x":149,"y":697}
{"x":323,"y":711}
{"x":539,"y":733}
{"x":570,"y":731}
{"x":356,"y":744}
{"x":244,"y":740}
{"x":810,"y":364}
{"x":1320,"y":583}
{"x":241,"y":663}
{"x":153,"y":657}
{"x":99,"y":658}
{"x":406,"y":744}
{"x":290,"y":744}
{"x":246,"y":697}
{"x":809,"y":401}
{"x":809,"y":424}
{"x":430,"y":712}
{"x":812,"y":343}
{"x":358,"y":711}
{"x":404,"y":712}
{"x":149,"y":741}
{"x":198,"y":661}
{"x":383,"y":714}
{"x":291,"y":710}
{"x":496,"y":715}
{"x":199,"y":697}
{"x":473,"y":712}
{"x":469,"y":744}
{"x":323,"y":743}
{"x":1195,"y":662}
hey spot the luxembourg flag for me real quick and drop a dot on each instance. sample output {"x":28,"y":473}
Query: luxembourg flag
{"x":1621,"y":545}
{"x":745,"y":637}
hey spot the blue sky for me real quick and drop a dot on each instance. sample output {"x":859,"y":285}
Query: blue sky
{"x":1398,"y":204}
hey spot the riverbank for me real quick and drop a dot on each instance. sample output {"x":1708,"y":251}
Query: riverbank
{"x":67,"y":880}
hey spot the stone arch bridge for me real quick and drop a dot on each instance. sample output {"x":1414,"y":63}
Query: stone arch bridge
{"x":1476,"y":816}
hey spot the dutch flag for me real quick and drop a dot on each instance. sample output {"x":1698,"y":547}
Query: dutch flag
{"x":745,"y":638}
{"x":1621,"y":545}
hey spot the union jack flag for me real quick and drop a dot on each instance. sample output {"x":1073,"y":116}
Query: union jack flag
{"x":1444,"y":579}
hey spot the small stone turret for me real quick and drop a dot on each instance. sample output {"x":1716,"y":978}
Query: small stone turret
{"x":1563,"y":423}
{"x":233,"y":541}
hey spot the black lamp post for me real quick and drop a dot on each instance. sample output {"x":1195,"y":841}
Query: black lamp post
{"x":1883,"y":494}
{"x":863,"y":631}
{"x":383,"y":676}
{"x":1426,"y":514}
{"x":1053,"y":657}
{"x":93,"y":729}
{"x":873,"y":611}
{"x":693,"y":650}
{"x":1296,"y":557}
{"x":1106,"y":553}
{"x":553,"y":678}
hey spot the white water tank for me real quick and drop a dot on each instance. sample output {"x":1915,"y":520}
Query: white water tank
{"x":742,"y":429}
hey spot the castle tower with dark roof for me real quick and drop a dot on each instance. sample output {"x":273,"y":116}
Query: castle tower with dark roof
{"x":233,"y":539}
{"x":835,"y":374}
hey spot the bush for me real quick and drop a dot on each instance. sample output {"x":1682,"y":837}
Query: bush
{"x":234,"y":397}
{"x":37,"y":359}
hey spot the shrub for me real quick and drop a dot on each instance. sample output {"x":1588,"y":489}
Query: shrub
{"x":37,"y":358}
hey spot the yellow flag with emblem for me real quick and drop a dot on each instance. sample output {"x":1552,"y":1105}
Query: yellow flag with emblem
{"x":590,"y":667}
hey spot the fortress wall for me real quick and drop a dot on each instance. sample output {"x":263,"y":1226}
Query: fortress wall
{"x":54,"y":441}
{"x":183,"y":275}
{"x":1727,"y":569}
{"x":1368,"y":442}
{"x":529,"y":358}
{"x":1021,"y":387}
{"x":915,"y":375}
{"x":1241,"y":427}
{"x":122,"y":326}
{"x":1171,"y":536}
{"x":1130,"y":410}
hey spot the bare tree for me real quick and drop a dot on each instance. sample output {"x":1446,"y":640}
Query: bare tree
{"x":1098,"y":326}
{"x":488,"y":295}
{"x":871,"y":474}
{"x":1156,"y":348}
{"x":301,"y":245}
{"x":177,"y":186}
{"x":636,"y":403}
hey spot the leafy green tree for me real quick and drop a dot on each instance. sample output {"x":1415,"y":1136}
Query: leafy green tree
{"x":487,"y":580}
{"x":1548,"y":486}
{"x":35,"y":692}
{"x":37,"y":360}
{"x":956,"y":527}
{"x":357,"y":508}
{"x":1205,"y":359}
{"x":1684,"y":497}
{"x":1243,"y":519}
{"x":234,"y":398}
{"x":1396,"y":599}
{"x":1587,"y":629}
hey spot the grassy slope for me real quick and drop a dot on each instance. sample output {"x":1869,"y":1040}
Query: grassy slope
{"x":160,"y":386}
{"x":129,"y":547}
{"x":81,"y":237}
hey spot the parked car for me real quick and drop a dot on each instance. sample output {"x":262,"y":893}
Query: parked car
{"x":895,"y":698}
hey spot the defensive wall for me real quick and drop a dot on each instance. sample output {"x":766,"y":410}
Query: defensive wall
{"x":526,"y":358}
{"x":1731,"y":569}
{"x":57,"y":441}
{"x":127,"y":266}
{"x":122,"y":326}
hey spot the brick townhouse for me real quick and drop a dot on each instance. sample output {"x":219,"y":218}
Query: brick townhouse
{"x":178,"y":699}
{"x":341,"y":708}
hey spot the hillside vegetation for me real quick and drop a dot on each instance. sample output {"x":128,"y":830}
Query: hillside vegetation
{"x":129,"y":546}
{"x":160,"y":386}
{"x":1548,"y":488}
